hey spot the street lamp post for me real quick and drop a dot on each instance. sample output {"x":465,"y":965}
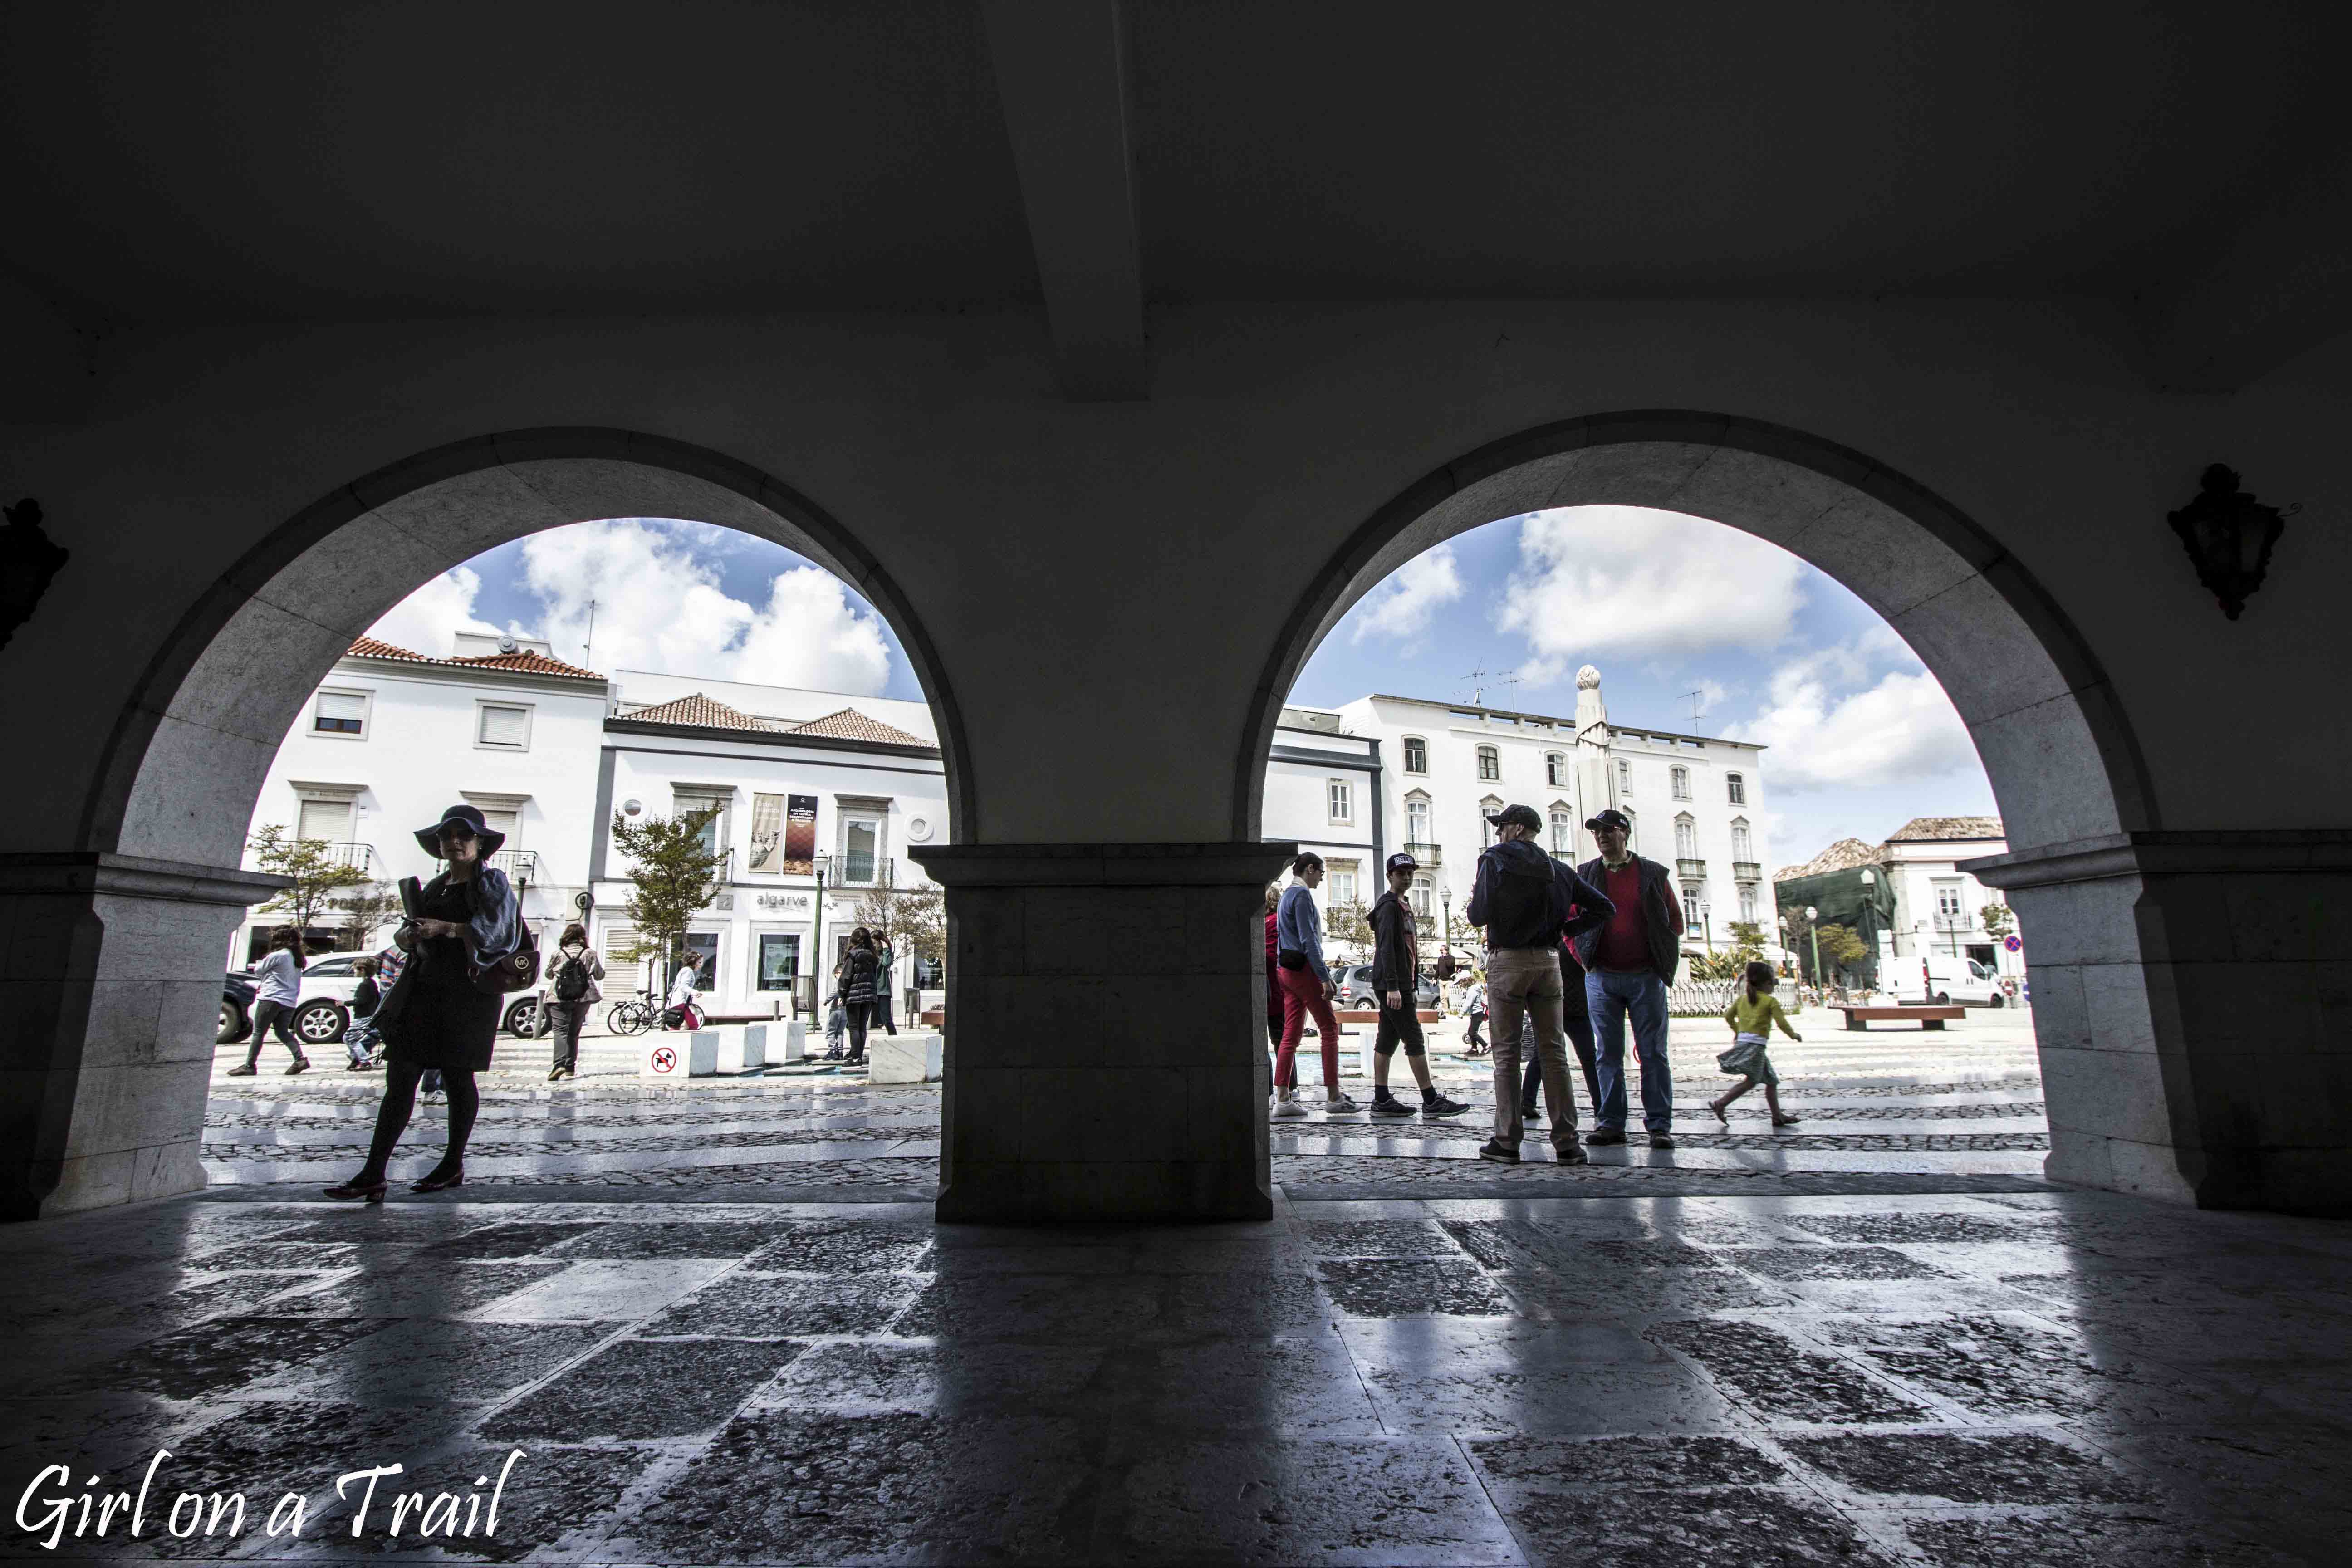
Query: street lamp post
{"x":1869,"y":881}
{"x":823,"y":863}
{"x":1445,"y":906}
{"x":1813,"y":929}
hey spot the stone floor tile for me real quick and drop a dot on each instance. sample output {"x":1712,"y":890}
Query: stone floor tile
{"x":1614,"y":1464}
{"x":1243,"y":1305}
{"x":1413,"y":1288}
{"x":557,"y":1503}
{"x":847,"y":1247}
{"x":514,"y":1239}
{"x":772,"y":1306}
{"x":1796,"y":1263}
{"x":1304,"y":1387}
{"x":2087,"y":1539}
{"x":443,"y":1290}
{"x":426,"y":1360}
{"x":779,"y":1486}
{"x":1378,"y":1239}
{"x":1669,"y":1293}
{"x":1881,"y":1228}
{"x":1340,"y":1500}
{"x":1069,"y":1308}
{"x":1736,"y":1527}
{"x":1771,"y":1375}
{"x":1440,"y":1374}
{"x":672,"y":1238}
{"x":942,"y":1377}
{"x":604,"y":1291}
{"x":1966,"y":1466}
{"x":219,"y":1356}
{"x":1507,"y":1244}
{"x":644,"y":1388}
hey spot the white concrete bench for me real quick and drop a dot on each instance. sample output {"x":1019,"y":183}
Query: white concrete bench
{"x":668,"y":1055}
{"x":906,"y":1057}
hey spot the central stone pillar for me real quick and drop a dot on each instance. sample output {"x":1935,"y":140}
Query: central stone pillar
{"x":1106,"y":1030}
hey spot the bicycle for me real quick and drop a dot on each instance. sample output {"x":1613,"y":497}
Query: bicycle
{"x":633,"y":1016}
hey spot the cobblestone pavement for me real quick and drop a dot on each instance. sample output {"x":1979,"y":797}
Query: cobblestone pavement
{"x":1633,"y":1373}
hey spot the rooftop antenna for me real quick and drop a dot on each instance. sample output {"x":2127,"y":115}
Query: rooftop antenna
{"x":1697,"y":703}
{"x":591,"y":643}
{"x":1478,"y":691}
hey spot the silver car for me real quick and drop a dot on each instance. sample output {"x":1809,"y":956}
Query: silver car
{"x":1355,"y":983}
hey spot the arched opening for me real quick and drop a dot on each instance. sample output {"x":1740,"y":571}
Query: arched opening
{"x":188,"y":756}
{"x":2063,"y":767}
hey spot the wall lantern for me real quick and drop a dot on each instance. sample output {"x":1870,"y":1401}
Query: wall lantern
{"x":2230,"y":536}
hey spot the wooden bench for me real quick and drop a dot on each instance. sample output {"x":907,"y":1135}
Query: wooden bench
{"x":1859,"y":1020}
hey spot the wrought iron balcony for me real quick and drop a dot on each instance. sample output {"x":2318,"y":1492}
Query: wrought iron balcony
{"x":1956,"y":922}
{"x":360,"y":857}
{"x":521,"y":866}
{"x":1691,"y":870}
{"x":1747,"y":871}
{"x":1425,"y":855}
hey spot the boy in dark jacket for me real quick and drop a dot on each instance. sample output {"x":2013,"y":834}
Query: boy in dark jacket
{"x":1396,"y":978}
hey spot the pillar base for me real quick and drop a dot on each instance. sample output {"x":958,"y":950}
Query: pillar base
{"x":1106,"y":1056}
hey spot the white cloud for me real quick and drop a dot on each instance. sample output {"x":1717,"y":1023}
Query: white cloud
{"x":1830,"y":726}
{"x":426,"y":620}
{"x":1598,"y":579}
{"x":661,"y":606}
{"x":1400,"y":607}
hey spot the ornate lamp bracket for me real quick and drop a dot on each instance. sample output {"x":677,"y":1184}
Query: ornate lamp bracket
{"x":2230,"y":536}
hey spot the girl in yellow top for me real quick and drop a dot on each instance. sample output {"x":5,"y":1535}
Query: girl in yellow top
{"x":1751,"y":1016}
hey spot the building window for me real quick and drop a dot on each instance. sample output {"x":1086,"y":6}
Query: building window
{"x":1563,"y":831}
{"x":1555,"y":770}
{"x":1747,"y":902}
{"x":714,"y":831}
{"x":1735,"y":786}
{"x":1693,"y":914}
{"x":619,"y":939}
{"x":1421,"y":896}
{"x":1342,"y":884}
{"x":1685,"y":838}
{"x":704,"y":945}
{"x":1624,"y":777}
{"x":1416,"y":755}
{"x":780,"y":960}
{"x":343,"y":714}
{"x":1341,"y":799}
{"x":502,"y":726}
{"x":861,"y":849}
{"x":1742,"y":847}
{"x":324,"y":821}
{"x":1679,"y":780}
{"x":1490,"y":763}
{"x":1947,"y":899}
{"x":1416,"y":821}
{"x":1486,"y":808}
{"x":1633,"y":827}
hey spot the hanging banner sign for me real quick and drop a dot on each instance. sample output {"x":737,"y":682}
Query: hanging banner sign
{"x":799,"y":833}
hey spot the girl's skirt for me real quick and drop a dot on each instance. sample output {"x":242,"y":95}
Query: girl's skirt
{"x":1746,"y":1058}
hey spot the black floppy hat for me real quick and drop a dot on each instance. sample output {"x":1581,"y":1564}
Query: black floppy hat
{"x":471,"y":815}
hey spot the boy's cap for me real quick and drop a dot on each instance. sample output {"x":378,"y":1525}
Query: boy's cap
{"x":1400,"y":861}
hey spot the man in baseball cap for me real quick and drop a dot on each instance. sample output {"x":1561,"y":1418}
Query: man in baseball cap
{"x":1396,"y":980}
{"x":1629,"y":961}
{"x":1523,"y":898}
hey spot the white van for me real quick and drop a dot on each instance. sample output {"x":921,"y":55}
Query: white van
{"x":1941,"y":978}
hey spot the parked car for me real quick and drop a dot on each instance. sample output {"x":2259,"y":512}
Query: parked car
{"x":1941,"y":979}
{"x":237,"y":1008}
{"x":1355,"y":983}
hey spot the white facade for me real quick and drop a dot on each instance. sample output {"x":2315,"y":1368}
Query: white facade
{"x":387,"y":742}
{"x":1939,"y":907}
{"x":1324,"y":787}
{"x":1696,"y":801}
{"x":869,"y":804}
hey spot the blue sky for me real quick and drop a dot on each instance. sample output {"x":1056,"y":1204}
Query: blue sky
{"x":1861,"y":737}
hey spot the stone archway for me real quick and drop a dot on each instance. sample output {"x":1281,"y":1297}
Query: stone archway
{"x":2064,"y":766}
{"x":144,"y":906}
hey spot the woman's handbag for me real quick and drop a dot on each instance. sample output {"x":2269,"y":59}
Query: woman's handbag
{"x":517,"y":971}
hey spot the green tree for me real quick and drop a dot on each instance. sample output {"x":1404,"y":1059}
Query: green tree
{"x":316,"y":868}
{"x":671,"y":877}
{"x":913,"y":920}
{"x":1998,"y":920}
{"x":372,"y":905}
{"x":1843,"y":947}
{"x":1747,"y":942}
{"x":1351,"y":923}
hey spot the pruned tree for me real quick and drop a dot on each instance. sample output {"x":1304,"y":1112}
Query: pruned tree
{"x":372,"y":905}
{"x":1998,"y":920}
{"x":671,"y":876}
{"x":913,"y":920}
{"x":1842,"y":947}
{"x":1352,"y":924}
{"x":317,"y":872}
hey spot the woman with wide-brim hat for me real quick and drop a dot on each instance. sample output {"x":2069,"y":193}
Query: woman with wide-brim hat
{"x":467,"y":917}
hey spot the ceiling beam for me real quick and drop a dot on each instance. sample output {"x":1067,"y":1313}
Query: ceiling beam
{"x":1061,"y":75}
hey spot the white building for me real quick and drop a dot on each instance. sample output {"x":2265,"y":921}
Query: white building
{"x":794,"y":788}
{"x":1939,"y":907}
{"x":393,"y":737}
{"x":1436,"y":769}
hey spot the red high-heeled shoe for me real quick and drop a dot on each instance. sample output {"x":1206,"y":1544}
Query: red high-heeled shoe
{"x":357,"y":1192}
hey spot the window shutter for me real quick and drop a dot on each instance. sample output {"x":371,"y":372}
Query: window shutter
{"x":504,"y":726}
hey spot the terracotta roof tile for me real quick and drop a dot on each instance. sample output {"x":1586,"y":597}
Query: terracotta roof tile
{"x":1842,"y":856}
{"x":698,"y":710}
{"x":1933,"y":828}
{"x":527,"y":662}
{"x":849,"y":725}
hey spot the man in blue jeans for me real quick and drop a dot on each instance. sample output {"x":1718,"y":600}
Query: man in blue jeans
{"x":1629,"y":962}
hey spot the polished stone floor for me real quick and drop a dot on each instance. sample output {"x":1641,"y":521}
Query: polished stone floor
{"x":2008,"y":1377}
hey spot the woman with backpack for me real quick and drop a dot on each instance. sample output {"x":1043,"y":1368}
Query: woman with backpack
{"x":274,"y":997}
{"x":572,"y":993}
{"x":859,"y":966}
{"x":443,"y":1011}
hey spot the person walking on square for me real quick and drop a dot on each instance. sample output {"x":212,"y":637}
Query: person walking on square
{"x":1629,"y":962}
{"x":1444,"y":969}
{"x":857,"y":970}
{"x":465,"y":919}
{"x":1474,"y":1013}
{"x":1396,"y":978}
{"x":359,"y":1040}
{"x":681,"y":992}
{"x":1307,"y":987}
{"x":1522,"y":899}
{"x":1751,"y":1016}
{"x":278,"y":992}
{"x":1273,"y":984}
{"x":572,"y":992}
{"x":1576,"y":1022}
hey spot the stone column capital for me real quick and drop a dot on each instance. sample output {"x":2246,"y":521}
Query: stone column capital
{"x":1210,"y":863}
{"x":83,"y":872}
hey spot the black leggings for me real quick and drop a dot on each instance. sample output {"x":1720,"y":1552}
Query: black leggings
{"x":857,"y":1017}
{"x":399,"y":1081}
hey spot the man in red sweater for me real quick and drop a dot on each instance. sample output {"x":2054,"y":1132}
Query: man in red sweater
{"x":1629,"y":962}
